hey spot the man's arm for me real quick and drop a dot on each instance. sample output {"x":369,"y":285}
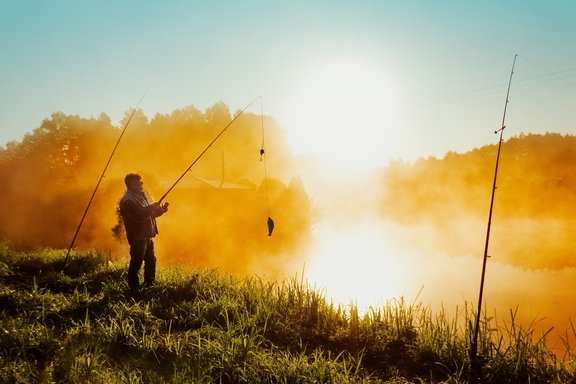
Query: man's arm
{"x":136,"y":212}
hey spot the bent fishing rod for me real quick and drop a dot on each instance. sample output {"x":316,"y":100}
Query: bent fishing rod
{"x":100,"y":180}
{"x":206,"y":149}
{"x":476,"y":360}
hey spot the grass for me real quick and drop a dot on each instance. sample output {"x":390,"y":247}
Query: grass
{"x":201,"y":326}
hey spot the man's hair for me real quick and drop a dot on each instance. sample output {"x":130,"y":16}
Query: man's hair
{"x":132,"y":176}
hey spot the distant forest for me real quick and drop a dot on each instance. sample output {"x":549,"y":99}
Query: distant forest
{"x":533,"y":223}
{"x":220,"y":206}
{"x":218,"y":212}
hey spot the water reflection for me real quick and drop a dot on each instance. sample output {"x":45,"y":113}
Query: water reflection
{"x":371,"y":262}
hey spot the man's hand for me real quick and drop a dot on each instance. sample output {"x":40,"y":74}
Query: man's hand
{"x":160,"y":209}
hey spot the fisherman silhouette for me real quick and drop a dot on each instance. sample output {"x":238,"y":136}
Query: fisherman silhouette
{"x":139,"y":219}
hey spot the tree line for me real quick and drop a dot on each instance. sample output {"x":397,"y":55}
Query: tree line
{"x":533,"y":218}
{"x":219,"y":208}
{"x":218,"y":212}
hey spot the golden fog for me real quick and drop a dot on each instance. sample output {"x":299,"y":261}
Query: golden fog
{"x":218,"y":211}
{"x":415,"y":230}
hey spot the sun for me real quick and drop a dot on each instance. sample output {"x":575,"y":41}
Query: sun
{"x":342,"y":112}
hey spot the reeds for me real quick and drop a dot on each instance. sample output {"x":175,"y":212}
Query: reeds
{"x":202,"y":326}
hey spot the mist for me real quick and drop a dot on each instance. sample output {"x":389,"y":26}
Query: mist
{"x":218,"y":212}
{"x":417,"y":231}
{"x":372,"y":262}
{"x":411,"y":230}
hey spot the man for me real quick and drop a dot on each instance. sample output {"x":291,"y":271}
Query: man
{"x":139,"y":219}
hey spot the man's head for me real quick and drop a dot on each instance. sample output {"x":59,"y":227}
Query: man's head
{"x":134,"y":182}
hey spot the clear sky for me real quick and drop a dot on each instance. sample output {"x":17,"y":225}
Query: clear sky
{"x":358,"y":82}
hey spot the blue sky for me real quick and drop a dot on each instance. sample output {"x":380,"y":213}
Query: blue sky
{"x":426,"y":76}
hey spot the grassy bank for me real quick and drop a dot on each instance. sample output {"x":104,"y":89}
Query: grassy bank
{"x":202,"y":326}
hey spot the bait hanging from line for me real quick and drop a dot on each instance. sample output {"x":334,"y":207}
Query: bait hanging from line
{"x":269,"y":222}
{"x":270,"y":226}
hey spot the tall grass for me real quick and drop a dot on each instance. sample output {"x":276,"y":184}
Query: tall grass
{"x":202,"y":326}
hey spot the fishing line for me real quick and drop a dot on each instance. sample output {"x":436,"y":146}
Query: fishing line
{"x":552,"y":73}
{"x":461,"y":95}
{"x":269,"y":222}
{"x":100,"y":179}
{"x":486,"y":91}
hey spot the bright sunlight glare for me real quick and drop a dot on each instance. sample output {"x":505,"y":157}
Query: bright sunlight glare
{"x":357,"y":265}
{"x":342,"y":112}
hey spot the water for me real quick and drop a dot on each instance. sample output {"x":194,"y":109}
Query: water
{"x":370,"y":262}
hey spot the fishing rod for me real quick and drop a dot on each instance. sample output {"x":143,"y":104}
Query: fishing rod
{"x":100,"y":180}
{"x":204,"y":151}
{"x":477,"y":360}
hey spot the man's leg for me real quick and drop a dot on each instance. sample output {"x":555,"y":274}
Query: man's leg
{"x":149,"y":264}
{"x":137,"y":252}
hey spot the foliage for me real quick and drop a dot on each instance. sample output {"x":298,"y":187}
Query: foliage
{"x":535,"y":196}
{"x":531,"y":166}
{"x":49,"y":178}
{"x":202,"y":326}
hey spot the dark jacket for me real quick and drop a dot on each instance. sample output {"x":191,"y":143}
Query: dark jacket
{"x":138,"y":216}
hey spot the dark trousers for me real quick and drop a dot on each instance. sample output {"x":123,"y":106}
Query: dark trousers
{"x":141,"y":251}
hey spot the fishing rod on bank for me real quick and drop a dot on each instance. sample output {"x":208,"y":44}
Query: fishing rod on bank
{"x":204,"y":151}
{"x":477,"y":360}
{"x":100,"y":180}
